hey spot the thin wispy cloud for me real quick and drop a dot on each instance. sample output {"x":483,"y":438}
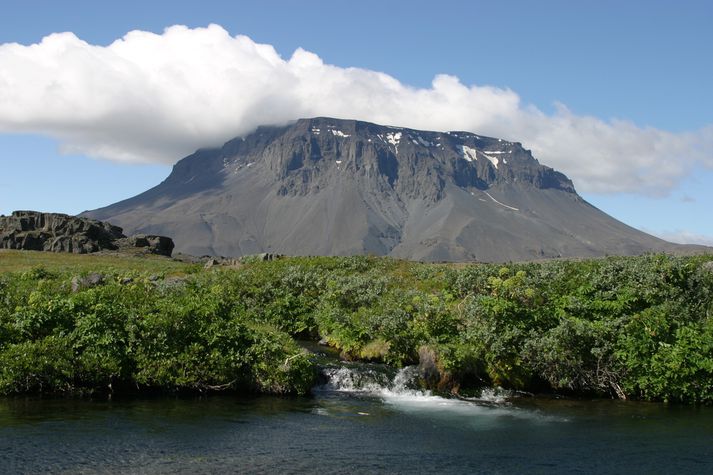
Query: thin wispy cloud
{"x":682,"y":236}
{"x":155,"y":98}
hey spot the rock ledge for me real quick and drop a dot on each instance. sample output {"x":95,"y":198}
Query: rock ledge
{"x":55,"y":232}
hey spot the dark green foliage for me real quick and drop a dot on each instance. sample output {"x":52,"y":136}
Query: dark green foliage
{"x":43,"y":365}
{"x":623,"y":327}
{"x":281,"y":295}
{"x":168,"y":335}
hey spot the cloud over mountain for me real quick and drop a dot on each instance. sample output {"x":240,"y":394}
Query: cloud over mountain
{"x":156,"y":98}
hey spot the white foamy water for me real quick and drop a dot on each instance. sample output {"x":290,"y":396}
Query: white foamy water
{"x":400,"y":391}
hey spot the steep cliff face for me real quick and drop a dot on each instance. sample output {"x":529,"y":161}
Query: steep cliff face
{"x":326,"y":186}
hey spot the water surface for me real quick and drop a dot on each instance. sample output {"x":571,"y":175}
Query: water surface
{"x":348,"y":428}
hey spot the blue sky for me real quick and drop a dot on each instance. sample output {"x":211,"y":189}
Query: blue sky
{"x":646,"y":64}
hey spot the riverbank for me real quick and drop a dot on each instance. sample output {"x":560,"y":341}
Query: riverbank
{"x":634,"y":328}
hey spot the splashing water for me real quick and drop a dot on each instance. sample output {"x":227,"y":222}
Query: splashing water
{"x":400,"y":390}
{"x":400,"y":387}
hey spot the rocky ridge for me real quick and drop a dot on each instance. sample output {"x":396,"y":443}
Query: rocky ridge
{"x":55,"y":232}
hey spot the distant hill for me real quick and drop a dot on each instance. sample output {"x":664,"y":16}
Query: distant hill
{"x":327,"y":186}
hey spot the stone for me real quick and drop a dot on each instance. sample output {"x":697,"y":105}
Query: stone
{"x":211,"y":263}
{"x":263,"y":256}
{"x":428,"y":367}
{"x":87,"y":282}
{"x":153,"y":244}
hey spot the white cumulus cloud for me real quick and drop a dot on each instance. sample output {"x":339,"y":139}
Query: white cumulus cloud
{"x":156,"y":98}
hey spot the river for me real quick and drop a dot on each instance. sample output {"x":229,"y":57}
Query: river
{"x":360,"y":420}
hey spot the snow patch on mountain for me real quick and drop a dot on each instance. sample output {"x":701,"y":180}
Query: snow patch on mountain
{"x":394,"y":139}
{"x":469,"y":154}
{"x":493,"y":160}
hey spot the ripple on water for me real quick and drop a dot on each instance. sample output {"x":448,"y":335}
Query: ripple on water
{"x":394,"y":428}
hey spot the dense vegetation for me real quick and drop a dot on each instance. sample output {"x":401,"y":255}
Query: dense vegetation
{"x":627,"y":327}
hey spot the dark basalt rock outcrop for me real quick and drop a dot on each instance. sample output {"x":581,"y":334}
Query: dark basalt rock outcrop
{"x":35,"y":231}
{"x":56,"y":232}
{"x":161,"y":245}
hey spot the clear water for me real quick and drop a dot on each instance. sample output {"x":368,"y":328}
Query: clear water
{"x":357,"y":422}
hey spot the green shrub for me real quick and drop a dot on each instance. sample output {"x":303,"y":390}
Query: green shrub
{"x":627,"y":327}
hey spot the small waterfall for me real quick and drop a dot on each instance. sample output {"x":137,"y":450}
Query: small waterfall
{"x":367,"y":379}
{"x":359,"y":388}
{"x":400,"y":387}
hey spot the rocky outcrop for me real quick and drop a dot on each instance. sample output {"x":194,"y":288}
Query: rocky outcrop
{"x":161,"y":245}
{"x":34,"y":231}
{"x":55,"y":232}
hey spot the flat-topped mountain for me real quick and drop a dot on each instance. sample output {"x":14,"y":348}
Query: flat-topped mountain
{"x":327,"y":186}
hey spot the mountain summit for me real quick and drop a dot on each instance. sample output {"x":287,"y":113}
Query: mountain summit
{"x":327,"y":186}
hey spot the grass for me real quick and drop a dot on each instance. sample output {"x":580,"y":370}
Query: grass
{"x":19,"y":261}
